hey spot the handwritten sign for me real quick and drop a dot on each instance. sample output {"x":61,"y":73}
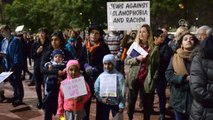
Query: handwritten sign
{"x":136,"y":50}
{"x":127,"y":15}
{"x":4,"y":76}
{"x":74,"y":88}
{"x":108,"y":85}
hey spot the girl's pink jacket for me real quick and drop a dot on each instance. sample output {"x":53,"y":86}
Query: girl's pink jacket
{"x":71,"y":104}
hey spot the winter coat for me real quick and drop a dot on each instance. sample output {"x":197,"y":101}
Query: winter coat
{"x":46,"y":57}
{"x":165,"y":56}
{"x":180,"y":99}
{"x":37,"y":56}
{"x":201,"y":85}
{"x":75,"y":49}
{"x":71,"y":104}
{"x":51,"y":98}
{"x":95,"y":61}
{"x":120,"y":98}
{"x":152,"y":67}
{"x":14,"y":54}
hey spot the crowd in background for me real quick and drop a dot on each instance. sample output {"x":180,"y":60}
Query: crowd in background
{"x":182,"y":62}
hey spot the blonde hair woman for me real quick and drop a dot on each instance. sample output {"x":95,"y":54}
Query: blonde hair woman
{"x":143,"y":72}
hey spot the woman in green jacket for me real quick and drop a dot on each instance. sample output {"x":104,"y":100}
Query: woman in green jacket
{"x":143,"y":72}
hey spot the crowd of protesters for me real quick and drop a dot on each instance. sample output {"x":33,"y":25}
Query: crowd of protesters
{"x":183,"y":63}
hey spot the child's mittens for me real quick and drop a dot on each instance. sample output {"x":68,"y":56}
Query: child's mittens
{"x":88,"y":69}
{"x":105,"y":100}
{"x":61,"y":117}
{"x":50,"y":67}
{"x":61,"y":73}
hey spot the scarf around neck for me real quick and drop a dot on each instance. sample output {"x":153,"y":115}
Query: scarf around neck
{"x":178,"y":61}
{"x":91,"y":48}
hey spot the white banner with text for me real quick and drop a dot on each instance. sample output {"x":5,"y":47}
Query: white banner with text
{"x":128,"y":15}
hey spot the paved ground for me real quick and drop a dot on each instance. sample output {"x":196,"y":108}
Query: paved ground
{"x":28,"y":111}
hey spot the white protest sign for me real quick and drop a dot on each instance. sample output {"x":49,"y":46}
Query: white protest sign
{"x":4,"y":76}
{"x":19,"y":28}
{"x":108,"y":85}
{"x":136,"y":50}
{"x":74,"y":88}
{"x":128,"y":15}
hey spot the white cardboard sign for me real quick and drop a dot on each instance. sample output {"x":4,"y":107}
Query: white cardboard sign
{"x":4,"y":76}
{"x":108,"y":85}
{"x":19,"y":28}
{"x":74,"y":88}
{"x":128,"y":15}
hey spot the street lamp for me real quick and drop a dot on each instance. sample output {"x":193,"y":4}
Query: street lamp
{"x":181,"y":6}
{"x":89,"y":21}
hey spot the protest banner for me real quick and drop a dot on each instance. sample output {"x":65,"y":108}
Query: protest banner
{"x":127,"y":15}
{"x":108,"y":85}
{"x":74,"y":88}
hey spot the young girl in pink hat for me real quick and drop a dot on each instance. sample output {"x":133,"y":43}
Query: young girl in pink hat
{"x":72,"y":108}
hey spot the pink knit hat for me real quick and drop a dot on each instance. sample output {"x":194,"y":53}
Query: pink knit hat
{"x":69,"y":63}
{"x":72,"y":62}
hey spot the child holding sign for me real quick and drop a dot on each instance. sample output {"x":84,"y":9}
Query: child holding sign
{"x":109,"y":90}
{"x":72,"y":108}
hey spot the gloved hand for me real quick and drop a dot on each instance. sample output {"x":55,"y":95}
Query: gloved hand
{"x":61,"y":117}
{"x":88,"y":69}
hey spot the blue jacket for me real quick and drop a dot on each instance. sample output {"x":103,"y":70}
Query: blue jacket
{"x":120,"y":99}
{"x":14,"y":55}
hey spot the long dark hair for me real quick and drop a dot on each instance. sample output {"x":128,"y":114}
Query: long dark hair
{"x":60,"y":35}
{"x":179,"y":42}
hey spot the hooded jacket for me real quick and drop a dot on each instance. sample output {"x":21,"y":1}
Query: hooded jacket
{"x":120,"y":98}
{"x":71,"y":104}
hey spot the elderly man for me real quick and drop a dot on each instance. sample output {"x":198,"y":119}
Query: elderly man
{"x":203,"y":32}
{"x":11,"y":46}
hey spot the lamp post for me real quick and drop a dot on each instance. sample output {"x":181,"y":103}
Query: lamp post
{"x":181,"y":6}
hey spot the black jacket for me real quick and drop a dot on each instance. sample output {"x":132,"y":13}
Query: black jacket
{"x":37,"y":56}
{"x":95,"y":60}
{"x":46,"y":58}
{"x":52,"y":86}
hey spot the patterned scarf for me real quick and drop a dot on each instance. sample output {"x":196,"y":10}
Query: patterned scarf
{"x":178,"y":61}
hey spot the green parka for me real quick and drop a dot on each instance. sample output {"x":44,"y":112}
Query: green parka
{"x":152,"y":66}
